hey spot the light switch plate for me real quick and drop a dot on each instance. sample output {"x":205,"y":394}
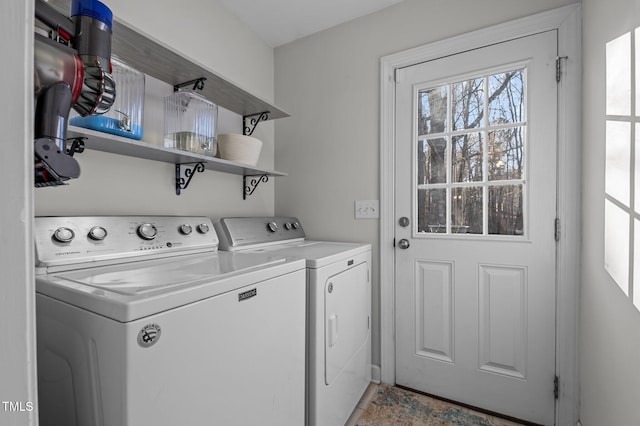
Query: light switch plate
{"x":367,"y":209}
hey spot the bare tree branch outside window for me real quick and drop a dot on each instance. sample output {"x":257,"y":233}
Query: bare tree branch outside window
{"x":471,"y":149}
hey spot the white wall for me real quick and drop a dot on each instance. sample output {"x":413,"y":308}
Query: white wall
{"x":610,"y":323}
{"x":114,"y":184}
{"x":329,"y":83}
{"x":17,"y":297}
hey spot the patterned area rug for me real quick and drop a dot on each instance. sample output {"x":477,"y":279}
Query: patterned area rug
{"x":392,"y":406}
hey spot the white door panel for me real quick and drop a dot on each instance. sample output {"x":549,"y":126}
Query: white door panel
{"x":434,"y":303}
{"x":476,"y":176}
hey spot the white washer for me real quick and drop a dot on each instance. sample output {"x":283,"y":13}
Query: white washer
{"x":338,"y":309}
{"x":141,"y":321}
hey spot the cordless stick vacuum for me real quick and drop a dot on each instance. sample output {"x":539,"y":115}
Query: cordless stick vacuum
{"x":72,"y":68}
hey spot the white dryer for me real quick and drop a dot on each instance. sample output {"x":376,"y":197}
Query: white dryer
{"x":338,"y":309}
{"x":141,"y":321}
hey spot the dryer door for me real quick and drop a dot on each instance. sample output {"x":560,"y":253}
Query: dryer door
{"x":346,"y":318}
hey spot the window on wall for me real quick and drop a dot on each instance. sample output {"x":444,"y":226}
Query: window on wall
{"x":622,"y":169}
{"x":471,"y":155}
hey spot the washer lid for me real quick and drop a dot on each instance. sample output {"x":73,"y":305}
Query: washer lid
{"x":144,"y":278}
{"x":129,"y":291}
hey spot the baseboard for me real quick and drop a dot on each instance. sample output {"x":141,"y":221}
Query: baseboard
{"x":375,"y":374}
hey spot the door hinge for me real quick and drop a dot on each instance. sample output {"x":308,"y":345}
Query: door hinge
{"x":559,"y":67}
{"x":556,"y":229}
{"x":556,"y":387}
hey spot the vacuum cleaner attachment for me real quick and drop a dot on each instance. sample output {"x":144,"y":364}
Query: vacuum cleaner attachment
{"x":78,"y":76}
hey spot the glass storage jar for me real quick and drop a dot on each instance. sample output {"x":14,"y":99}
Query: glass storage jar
{"x":190,"y":123}
{"x":125,"y":116}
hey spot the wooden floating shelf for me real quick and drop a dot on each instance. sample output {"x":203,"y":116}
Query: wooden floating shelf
{"x":113,"y":144}
{"x":160,"y":61}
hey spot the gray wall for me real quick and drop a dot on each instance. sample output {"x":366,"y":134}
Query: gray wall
{"x":329,"y":82}
{"x":17,"y":297}
{"x":610,"y":323}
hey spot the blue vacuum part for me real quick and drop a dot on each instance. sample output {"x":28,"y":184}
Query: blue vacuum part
{"x":93,"y":9}
{"x":106,"y":125}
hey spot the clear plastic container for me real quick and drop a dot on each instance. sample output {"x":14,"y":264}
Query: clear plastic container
{"x":190,"y":123}
{"x":125,"y":116}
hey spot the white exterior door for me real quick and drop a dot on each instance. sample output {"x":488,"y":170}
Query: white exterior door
{"x":475,"y":213}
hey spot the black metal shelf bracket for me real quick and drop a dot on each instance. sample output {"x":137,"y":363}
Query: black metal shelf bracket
{"x":252,"y":185}
{"x":181,"y":183}
{"x":198,"y":84}
{"x":250,"y":122}
{"x":77,"y":146}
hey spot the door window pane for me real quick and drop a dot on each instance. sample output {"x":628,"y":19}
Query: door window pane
{"x":471,"y":155}
{"x":432,"y":161}
{"x":467,"y":157}
{"x":506,"y":154}
{"x":432,"y":210}
{"x":505,"y":210}
{"x":432,"y":111}
{"x":506,"y":97}
{"x":467,"y":103}
{"x":466,"y":210}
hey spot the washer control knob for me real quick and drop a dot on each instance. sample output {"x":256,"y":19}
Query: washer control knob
{"x":63,"y":235}
{"x":295,"y":225}
{"x":185,"y":229}
{"x":288,"y":226}
{"x":147,"y":231}
{"x":272,"y":226}
{"x":203,"y":228}
{"x":97,"y":233}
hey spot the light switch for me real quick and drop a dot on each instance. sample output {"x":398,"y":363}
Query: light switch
{"x":367,"y":209}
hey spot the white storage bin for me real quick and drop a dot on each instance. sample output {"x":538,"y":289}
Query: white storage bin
{"x":239,"y":148}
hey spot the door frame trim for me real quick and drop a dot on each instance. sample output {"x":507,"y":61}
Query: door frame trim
{"x":567,"y":21}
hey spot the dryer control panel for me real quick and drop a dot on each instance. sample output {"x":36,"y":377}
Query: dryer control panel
{"x":237,"y":233}
{"x":83,"y":239}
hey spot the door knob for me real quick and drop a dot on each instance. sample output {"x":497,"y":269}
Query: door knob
{"x":403,"y":221}
{"x":403,"y":244}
